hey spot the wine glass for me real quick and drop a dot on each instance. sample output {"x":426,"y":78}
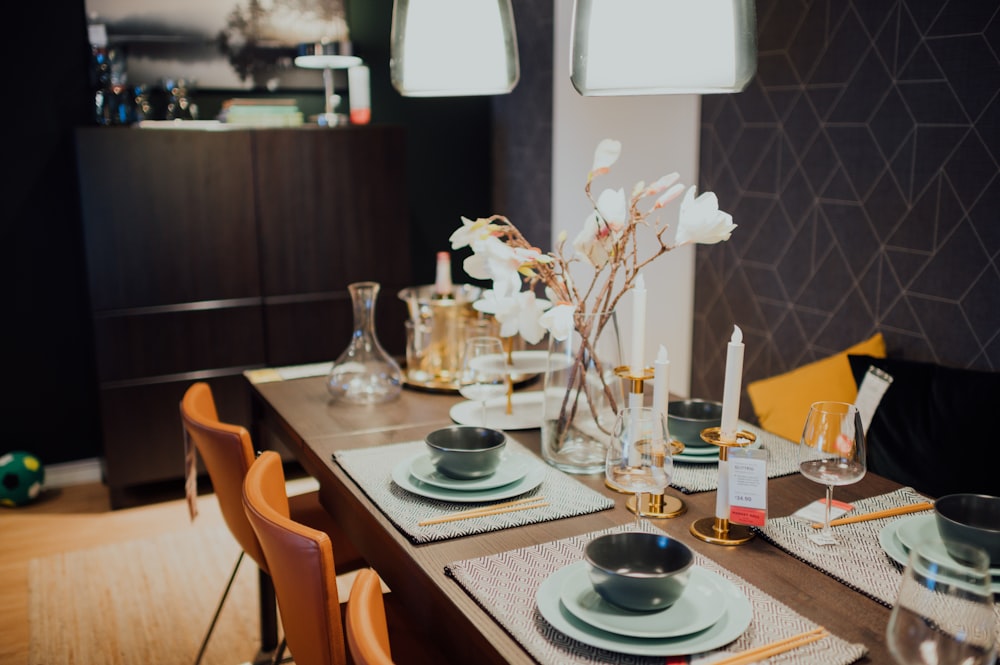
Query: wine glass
{"x":832,"y":452}
{"x":484,"y":371}
{"x":944,"y":609}
{"x":638,"y":457}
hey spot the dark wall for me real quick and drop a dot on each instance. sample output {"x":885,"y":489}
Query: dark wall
{"x":52,"y":410}
{"x":47,"y":340}
{"x":862,"y":167}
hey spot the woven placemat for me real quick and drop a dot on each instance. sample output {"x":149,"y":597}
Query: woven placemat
{"x":505,"y":585}
{"x":371,"y":469}
{"x":782,"y":460}
{"x":858,"y":561}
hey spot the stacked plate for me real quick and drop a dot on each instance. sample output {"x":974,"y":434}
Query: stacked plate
{"x":707,"y":454}
{"x":516,"y":475}
{"x":711,"y":613}
{"x":900,"y":536}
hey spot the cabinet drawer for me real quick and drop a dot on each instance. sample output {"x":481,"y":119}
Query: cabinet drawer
{"x":148,"y":348}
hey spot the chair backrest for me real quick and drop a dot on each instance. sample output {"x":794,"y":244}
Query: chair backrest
{"x":301,"y":563}
{"x":227,"y":452}
{"x":365,"y":623}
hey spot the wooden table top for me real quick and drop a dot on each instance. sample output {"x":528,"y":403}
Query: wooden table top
{"x":300,"y":414}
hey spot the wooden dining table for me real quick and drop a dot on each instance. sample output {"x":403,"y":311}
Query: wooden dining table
{"x":298,"y":415}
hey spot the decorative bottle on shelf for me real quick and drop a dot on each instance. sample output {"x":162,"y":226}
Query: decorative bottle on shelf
{"x":364,"y":373}
{"x":442,"y":278}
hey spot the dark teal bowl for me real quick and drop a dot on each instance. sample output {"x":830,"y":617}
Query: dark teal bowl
{"x":973,"y":519}
{"x":687,"y":418}
{"x":465,"y":452}
{"x":642,"y":572}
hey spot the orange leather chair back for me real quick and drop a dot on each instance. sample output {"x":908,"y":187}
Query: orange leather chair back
{"x":227,"y":452}
{"x":365,"y":623}
{"x":301,"y":563}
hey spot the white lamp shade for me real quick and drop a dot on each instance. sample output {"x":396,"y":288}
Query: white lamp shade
{"x":444,"y":48}
{"x":656,"y":47}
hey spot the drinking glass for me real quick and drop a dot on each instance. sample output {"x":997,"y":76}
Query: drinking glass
{"x":944,"y":610}
{"x":832,"y":452}
{"x":638,"y":457}
{"x":484,"y":371}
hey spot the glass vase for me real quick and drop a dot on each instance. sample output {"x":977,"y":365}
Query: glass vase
{"x":364,"y":373}
{"x":582,"y":394}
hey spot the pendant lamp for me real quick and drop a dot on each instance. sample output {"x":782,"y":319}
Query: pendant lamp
{"x":657,"y":47}
{"x":445,"y":48}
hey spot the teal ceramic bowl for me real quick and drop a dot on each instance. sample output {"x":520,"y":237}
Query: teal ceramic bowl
{"x":687,"y":418}
{"x":642,"y":572}
{"x":973,"y":519}
{"x":465,"y":452}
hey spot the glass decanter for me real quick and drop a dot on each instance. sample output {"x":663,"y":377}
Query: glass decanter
{"x":364,"y":373}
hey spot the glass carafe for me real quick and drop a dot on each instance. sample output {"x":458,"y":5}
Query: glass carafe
{"x":364,"y":373}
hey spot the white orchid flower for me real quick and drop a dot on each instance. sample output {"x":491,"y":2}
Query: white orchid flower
{"x":594,"y":242}
{"x":662,"y":184}
{"x":701,"y":221}
{"x":506,"y":285}
{"x":613,"y":207}
{"x":605,"y":156}
{"x":520,"y":314}
{"x":559,"y":320}
{"x":470,"y":232}
{"x":602,"y":228}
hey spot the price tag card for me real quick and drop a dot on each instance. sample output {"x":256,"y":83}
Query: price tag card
{"x":748,"y":486}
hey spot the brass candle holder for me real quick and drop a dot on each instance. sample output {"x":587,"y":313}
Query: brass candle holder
{"x":717,"y":530}
{"x":656,"y":506}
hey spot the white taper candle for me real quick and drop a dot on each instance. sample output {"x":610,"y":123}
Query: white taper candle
{"x":733,"y":385}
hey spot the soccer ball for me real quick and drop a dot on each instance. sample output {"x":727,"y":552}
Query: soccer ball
{"x":21,"y":478}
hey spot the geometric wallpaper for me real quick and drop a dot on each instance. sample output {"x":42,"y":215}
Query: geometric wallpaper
{"x":861,"y":165}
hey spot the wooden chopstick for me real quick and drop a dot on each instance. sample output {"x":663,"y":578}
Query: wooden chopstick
{"x":774,"y":648}
{"x":486,"y":511}
{"x":902,"y":510}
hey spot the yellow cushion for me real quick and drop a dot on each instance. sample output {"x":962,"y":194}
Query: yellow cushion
{"x":782,"y":402}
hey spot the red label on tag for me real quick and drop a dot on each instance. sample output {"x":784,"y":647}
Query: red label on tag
{"x":748,"y":516}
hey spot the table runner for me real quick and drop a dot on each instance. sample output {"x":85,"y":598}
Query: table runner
{"x":782,"y":460}
{"x":505,"y":585}
{"x":371,"y":469}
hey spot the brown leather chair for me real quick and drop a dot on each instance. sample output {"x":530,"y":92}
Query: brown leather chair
{"x":365,"y":623}
{"x":301,"y":561}
{"x":227,"y":453}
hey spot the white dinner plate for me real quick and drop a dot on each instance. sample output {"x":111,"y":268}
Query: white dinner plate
{"x":401,"y":476}
{"x":512,"y":468}
{"x":733,"y":623}
{"x":525,"y":414}
{"x":701,"y":604}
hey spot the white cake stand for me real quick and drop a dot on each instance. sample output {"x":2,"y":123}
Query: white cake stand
{"x":328,"y":63}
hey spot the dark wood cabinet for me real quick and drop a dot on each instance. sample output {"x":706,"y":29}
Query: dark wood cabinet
{"x":212,"y":252}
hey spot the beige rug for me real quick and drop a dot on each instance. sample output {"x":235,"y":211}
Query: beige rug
{"x":145,"y":601}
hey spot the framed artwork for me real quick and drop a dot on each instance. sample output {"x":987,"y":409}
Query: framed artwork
{"x":219,"y":44}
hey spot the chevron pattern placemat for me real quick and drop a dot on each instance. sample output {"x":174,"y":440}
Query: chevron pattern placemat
{"x":859,"y":561}
{"x":505,"y":585}
{"x":371,"y":469}
{"x":782,"y":460}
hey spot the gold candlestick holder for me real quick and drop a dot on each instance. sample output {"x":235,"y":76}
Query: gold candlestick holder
{"x":655,"y":506}
{"x":718,"y":530}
